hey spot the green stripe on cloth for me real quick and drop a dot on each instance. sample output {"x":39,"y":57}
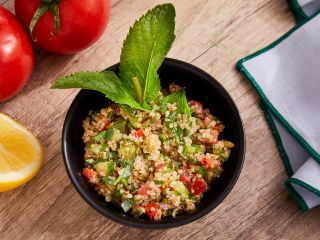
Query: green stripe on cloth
{"x":297,"y":11}
{"x":277,"y":138}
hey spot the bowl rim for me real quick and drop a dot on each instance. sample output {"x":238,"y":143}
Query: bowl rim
{"x":158,"y":225}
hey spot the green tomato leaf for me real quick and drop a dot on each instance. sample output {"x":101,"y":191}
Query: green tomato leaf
{"x":148,"y":42}
{"x":106,"y":82}
{"x":180,"y":99}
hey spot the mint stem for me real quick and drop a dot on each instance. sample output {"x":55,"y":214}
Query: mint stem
{"x":138,"y":89}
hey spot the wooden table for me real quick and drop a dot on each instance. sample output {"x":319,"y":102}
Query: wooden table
{"x":212,"y":35}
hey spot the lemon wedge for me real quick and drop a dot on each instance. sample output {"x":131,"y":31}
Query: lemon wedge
{"x":21,"y":154}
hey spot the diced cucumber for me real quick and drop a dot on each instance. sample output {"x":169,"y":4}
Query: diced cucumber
{"x":158,"y":182}
{"x":124,"y":182}
{"x":163,"y":137}
{"x":105,"y":168}
{"x":95,"y":148}
{"x":99,"y":137}
{"x":194,"y":149}
{"x":107,"y":180}
{"x":224,"y":155}
{"x":120,"y":124}
{"x":124,"y":163}
{"x":117,"y":135}
{"x":109,"y":134}
{"x":134,"y":123}
{"x":101,"y":168}
{"x":127,"y":204}
{"x":181,"y":188}
{"x":146,"y":123}
{"x":104,"y":147}
{"x":202,"y":170}
{"x":89,"y":161}
{"x":139,"y":211}
{"x":104,"y":135}
{"x":116,"y":196}
{"x":177,"y":193}
{"x":192,"y":160}
{"x":110,"y":168}
{"x":127,"y":150}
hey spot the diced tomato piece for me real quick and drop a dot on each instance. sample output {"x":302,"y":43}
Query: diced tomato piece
{"x":210,"y":163}
{"x":160,"y":166}
{"x":143,"y":190}
{"x":198,"y":109}
{"x":204,"y":161}
{"x":151,"y":209}
{"x":184,"y":177}
{"x":218,"y":127}
{"x":138,"y":133}
{"x":207,"y":120}
{"x":198,"y":186}
{"x":103,"y":122}
{"x":209,"y":136}
{"x":89,"y":173}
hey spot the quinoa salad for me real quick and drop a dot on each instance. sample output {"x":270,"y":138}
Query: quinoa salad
{"x":155,"y":163}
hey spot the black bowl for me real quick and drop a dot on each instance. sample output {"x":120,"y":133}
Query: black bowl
{"x":199,"y":86}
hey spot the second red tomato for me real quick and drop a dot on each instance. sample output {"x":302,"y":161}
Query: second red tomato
{"x":81,"y":22}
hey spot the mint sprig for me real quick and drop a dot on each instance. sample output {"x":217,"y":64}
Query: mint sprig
{"x":147,"y":44}
{"x":144,"y":50}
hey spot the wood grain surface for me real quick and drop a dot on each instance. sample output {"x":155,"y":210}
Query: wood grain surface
{"x":212,"y":35}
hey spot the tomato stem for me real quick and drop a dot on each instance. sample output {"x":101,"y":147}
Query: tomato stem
{"x":46,"y":5}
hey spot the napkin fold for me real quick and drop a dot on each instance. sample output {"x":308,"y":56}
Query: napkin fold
{"x":286,"y":76}
{"x":304,"y":9}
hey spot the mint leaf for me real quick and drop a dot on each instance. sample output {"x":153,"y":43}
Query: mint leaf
{"x":180,"y":99}
{"x":106,"y":82}
{"x":148,"y":42}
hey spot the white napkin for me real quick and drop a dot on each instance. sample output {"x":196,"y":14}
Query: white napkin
{"x":286,"y":75}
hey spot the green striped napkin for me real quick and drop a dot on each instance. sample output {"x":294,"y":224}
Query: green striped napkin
{"x":286,"y":76}
{"x":304,"y":9}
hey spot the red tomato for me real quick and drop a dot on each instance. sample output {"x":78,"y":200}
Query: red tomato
{"x":89,"y":173}
{"x":143,"y":190}
{"x":198,"y":186}
{"x":82,"y":22}
{"x":151,"y":209}
{"x":16,"y":56}
{"x":184,"y":177}
{"x":138,"y":133}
